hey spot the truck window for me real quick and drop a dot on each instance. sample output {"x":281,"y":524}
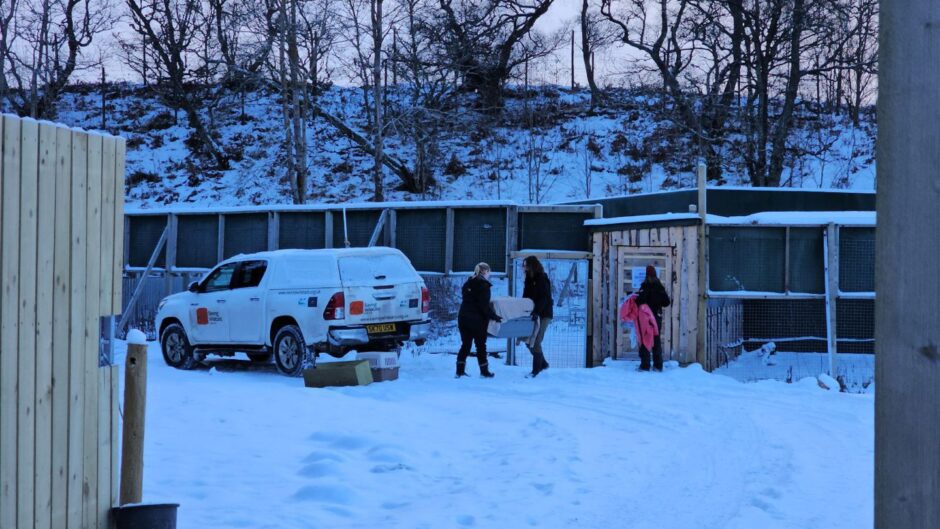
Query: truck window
{"x":249,"y":274}
{"x":220,"y":278}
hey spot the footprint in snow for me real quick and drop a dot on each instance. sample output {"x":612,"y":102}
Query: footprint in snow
{"x":338,"y":494}
{"x":340,"y":441}
{"x":466,"y":520}
{"x":318,"y":469}
{"x":544,"y":488}
{"x":382,"y":469}
{"x":317,"y":457}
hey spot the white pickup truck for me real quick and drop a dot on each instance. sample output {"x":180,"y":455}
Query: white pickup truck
{"x":294,"y":304}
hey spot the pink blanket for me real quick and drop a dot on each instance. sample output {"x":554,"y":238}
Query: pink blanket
{"x":643,"y":320}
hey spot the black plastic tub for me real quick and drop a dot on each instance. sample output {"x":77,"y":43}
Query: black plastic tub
{"x":146,"y":516}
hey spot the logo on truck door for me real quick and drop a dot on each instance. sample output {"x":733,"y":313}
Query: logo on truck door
{"x":205,"y":317}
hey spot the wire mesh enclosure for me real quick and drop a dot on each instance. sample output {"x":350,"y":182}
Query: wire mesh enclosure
{"x":444,"y":241}
{"x":421,"y":234}
{"x":482,"y":237}
{"x":565,"y":343}
{"x":801,"y":327}
{"x":147,"y":231}
{"x":305,"y":231}
{"x":245,"y":233}
{"x":197,"y":243}
{"x":359,"y":226}
{"x":549,"y":230}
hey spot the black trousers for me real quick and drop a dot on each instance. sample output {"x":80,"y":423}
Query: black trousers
{"x":472,"y":333}
{"x":657,"y":350}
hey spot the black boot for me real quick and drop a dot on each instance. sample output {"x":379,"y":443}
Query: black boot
{"x":485,"y":370}
{"x":461,"y":369}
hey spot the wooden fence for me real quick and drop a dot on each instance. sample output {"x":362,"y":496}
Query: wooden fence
{"x":61,"y":229}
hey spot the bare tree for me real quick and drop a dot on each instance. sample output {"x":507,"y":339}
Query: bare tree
{"x":378,"y":134}
{"x":482,"y":41}
{"x":41,"y":44}
{"x":168,"y":29}
{"x":595,"y":35}
{"x":698,"y":57}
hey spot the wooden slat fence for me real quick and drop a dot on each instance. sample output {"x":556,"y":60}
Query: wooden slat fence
{"x":61,"y":234}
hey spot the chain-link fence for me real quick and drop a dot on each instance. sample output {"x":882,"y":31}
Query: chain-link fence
{"x":790,"y":325}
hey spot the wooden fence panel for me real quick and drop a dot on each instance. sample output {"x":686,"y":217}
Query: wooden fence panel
{"x":26,"y":365}
{"x":92,"y":330}
{"x":60,"y":196}
{"x":45,"y":257}
{"x":9,"y":320}
{"x":60,"y":339}
{"x":79,"y":202}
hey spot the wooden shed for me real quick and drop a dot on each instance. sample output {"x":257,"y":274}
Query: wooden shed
{"x":793,"y":267}
{"x":61,"y":225}
{"x":623,"y":247}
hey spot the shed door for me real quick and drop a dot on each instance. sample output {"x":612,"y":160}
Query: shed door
{"x":631,"y":271}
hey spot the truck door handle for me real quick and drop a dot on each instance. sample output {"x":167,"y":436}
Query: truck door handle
{"x":220,"y":301}
{"x":254,"y":299}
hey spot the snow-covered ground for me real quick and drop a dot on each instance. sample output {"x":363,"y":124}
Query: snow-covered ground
{"x":601,"y":448}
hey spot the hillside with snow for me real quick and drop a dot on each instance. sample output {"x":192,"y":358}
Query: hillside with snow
{"x":545,"y":146}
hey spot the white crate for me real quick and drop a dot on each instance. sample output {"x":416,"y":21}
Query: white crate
{"x":379,"y":360}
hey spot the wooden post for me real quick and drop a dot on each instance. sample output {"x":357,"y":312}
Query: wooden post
{"x":135,"y":404}
{"x":701,"y":316}
{"x":907,"y":275}
{"x":831,"y":243}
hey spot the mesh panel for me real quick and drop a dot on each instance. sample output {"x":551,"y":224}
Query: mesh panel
{"x":479,"y":235}
{"x":795,"y":325}
{"x":746,"y":259}
{"x":855,"y":325}
{"x":360,"y":225}
{"x":421,"y":235}
{"x":302,"y":230}
{"x":144,"y":235}
{"x":245,"y":234}
{"x":554,"y":231}
{"x":857,"y":259}
{"x":807,"y":272}
{"x":565,"y":343}
{"x":197,"y":243}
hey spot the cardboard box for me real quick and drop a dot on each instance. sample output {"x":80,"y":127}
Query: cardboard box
{"x":384,"y":365}
{"x":330,"y":374}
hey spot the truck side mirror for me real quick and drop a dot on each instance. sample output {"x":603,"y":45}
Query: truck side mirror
{"x":194,"y":286}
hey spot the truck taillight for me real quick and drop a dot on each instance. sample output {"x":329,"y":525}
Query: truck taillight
{"x":336,"y":308}
{"x":425,"y":299}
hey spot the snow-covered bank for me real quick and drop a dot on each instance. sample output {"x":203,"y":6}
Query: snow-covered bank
{"x":606,"y":447}
{"x":545,"y":147}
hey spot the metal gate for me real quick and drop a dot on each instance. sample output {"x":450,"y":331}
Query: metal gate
{"x":566,"y":341}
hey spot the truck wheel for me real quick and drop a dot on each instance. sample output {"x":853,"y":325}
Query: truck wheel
{"x":177,"y":351}
{"x":289,"y":350}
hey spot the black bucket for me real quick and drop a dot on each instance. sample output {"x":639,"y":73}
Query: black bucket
{"x":146,"y":516}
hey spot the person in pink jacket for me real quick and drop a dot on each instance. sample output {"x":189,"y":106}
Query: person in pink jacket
{"x":643,"y":321}
{"x":653,"y":295}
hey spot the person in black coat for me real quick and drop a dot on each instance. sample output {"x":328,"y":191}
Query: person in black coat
{"x":473,"y":319}
{"x":538,"y":288}
{"x":653,"y":294}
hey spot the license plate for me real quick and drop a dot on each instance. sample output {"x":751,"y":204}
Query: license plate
{"x":381,"y":328}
